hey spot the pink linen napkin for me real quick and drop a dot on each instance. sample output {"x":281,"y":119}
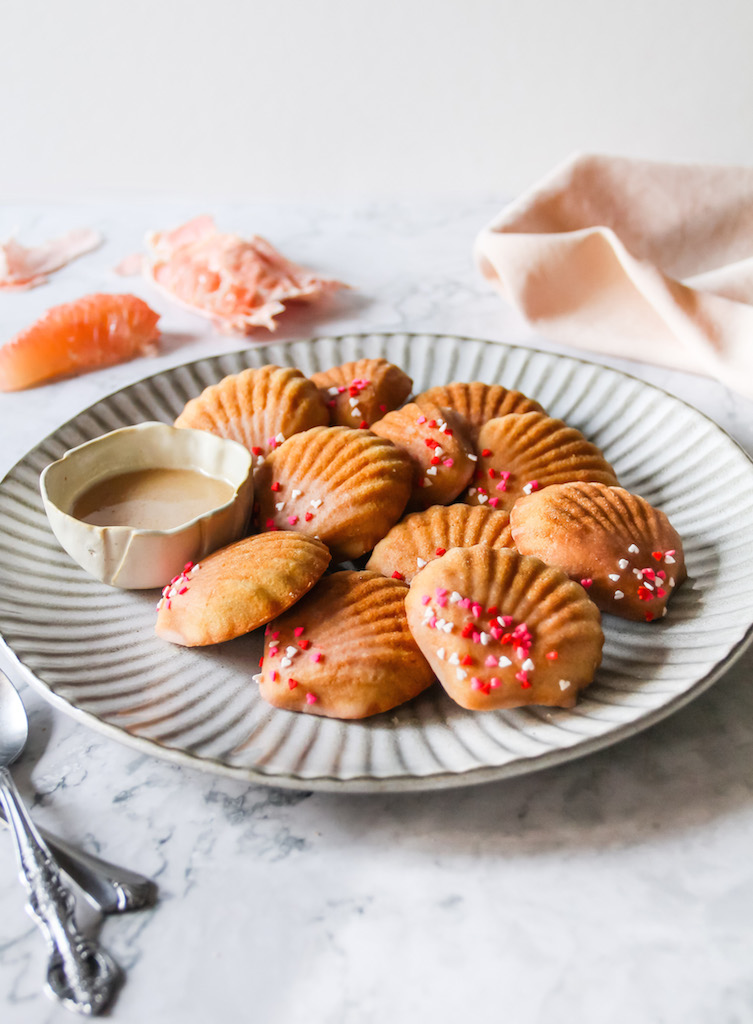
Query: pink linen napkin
{"x":636,"y":259}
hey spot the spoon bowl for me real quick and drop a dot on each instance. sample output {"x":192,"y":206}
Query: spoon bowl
{"x":14,"y":725}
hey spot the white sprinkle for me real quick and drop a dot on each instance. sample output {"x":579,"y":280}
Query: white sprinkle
{"x":618,"y":595}
{"x":638,"y":574}
{"x":623,"y":563}
{"x":280,"y":438}
{"x":633,"y":549}
{"x":565,"y":684}
{"x":454,"y":659}
{"x":473,"y":458}
{"x":316,"y":502}
{"x":472,"y":491}
{"x":614,"y":576}
{"x":291,"y":651}
{"x":286,"y":663}
{"x":647,"y":585}
{"x":353,"y":402}
{"x":333,"y":390}
{"x":461,"y":673}
{"x":296,"y":494}
{"x":664,"y":611}
{"x":448,"y":627}
{"x":504,"y":662}
{"x":431,"y":471}
{"x":455,"y":597}
{"x":528,"y":489}
{"x":485,"y":638}
{"x":482,"y":498}
{"x":441,"y":424}
{"x":428,"y":613}
{"x":355,"y":411}
{"x":260,"y":461}
{"x":669,"y":560}
{"x":279,"y":505}
{"x":257,"y":678}
{"x":440,"y":623}
{"x":671,"y":581}
{"x":438,"y":450}
{"x":440,"y":653}
{"x":527,"y":665}
{"x":420,"y":562}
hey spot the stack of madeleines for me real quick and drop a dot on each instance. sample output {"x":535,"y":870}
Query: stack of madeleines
{"x":496,"y":535}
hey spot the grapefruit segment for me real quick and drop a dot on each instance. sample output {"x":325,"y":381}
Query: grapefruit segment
{"x":97,"y":330}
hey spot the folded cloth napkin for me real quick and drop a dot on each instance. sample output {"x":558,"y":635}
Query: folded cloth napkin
{"x":637,"y":259}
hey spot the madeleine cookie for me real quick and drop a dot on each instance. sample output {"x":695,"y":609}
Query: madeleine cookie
{"x":260,"y":408}
{"x":625,"y":552}
{"x":238,"y":588}
{"x":345,"y":651}
{"x":477,"y":403}
{"x":359,"y":393}
{"x":502,"y":630}
{"x":437,"y":442}
{"x":424,"y":536}
{"x":346,"y":487}
{"x":525,"y":452}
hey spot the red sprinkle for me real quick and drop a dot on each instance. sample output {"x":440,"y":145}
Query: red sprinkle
{"x":275,"y":486}
{"x":435,"y":460}
{"x":552,"y":655}
{"x":275,"y":676}
{"x":304,"y":644}
{"x":292,"y":683}
{"x":256,"y":450}
{"x":466,"y":660}
{"x":645,"y":594}
{"x":656,"y":555}
{"x":363,"y":425}
{"x":397,"y":575}
{"x":299,"y":630}
{"x":467,"y":629}
{"x":439,"y":552}
{"x":383,"y":408}
{"x":486,"y":452}
{"x":271,"y":524}
{"x":309,"y":516}
{"x":649,"y":616}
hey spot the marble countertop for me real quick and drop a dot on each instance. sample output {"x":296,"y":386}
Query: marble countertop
{"x":618,"y":887}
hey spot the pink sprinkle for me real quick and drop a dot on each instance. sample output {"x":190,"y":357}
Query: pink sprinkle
{"x":316,"y":656}
{"x":496,"y":632}
{"x":441,"y":591}
{"x":586,"y":583}
{"x":465,"y":602}
{"x":442,"y":602}
{"x":275,"y":635}
{"x":475,"y":636}
{"x":505,"y":474}
{"x":501,"y":486}
{"x":425,"y":599}
{"x":299,"y":630}
{"x":507,"y":620}
{"x":274,"y":677}
{"x":494,"y":502}
{"x":310,"y":698}
{"x":661,"y":574}
{"x":521,"y":676}
{"x":521,"y":652}
{"x":476,"y":609}
{"x":183,"y":590}
{"x":449,"y":462}
{"x":273,"y":651}
{"x":670,"y":552}
{"x":187,"y":566}
{"x":292,"y":520}
{"x":271,"y":524}
{"x":494,"y":682}
{"x":476,"y":683}
{"x":422,"y":419}
{"x":432,"y":622}
{"x":491,"y":661}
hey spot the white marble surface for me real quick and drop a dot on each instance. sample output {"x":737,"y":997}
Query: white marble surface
{"x":618,"y":887}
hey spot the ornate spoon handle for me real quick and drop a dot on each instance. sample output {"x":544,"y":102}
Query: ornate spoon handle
{"x":80,"y":974}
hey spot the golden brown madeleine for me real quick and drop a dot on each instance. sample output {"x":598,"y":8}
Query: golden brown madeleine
{"x":345,"y":651}
{"x":437,"y":442}
{"x":525,"y":452}
{"x":359,"y":393}
{"x":424,"y":536}
{"x":239,"y":588}
{"x":260,"y":408}
{"x":346,"y":487}
{"x":625,"y":552}
{"x":477,"y":403}
{"x":502,"y":630}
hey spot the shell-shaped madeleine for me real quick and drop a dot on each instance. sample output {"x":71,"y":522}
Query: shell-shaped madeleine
{"x":625,"y":552}
{"x":260,"y":408}
{"x":346,"y":487}
{"x":477,"y":403}
{"x":424,"y":536}
{"x":361,"y":392}
{"x":345,"y":651}
{"x":239,"y":588}
{"x":525,"y":452}
{"x":502,"y":630}
{"x":438,"y":444}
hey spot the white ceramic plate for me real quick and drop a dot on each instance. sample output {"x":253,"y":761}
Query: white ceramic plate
{"x":91,"y":649}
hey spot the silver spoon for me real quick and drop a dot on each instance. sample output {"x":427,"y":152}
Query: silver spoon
{"x":80,"y":974}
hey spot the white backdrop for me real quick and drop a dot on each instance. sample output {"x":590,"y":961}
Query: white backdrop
{"x":346,"y":97}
